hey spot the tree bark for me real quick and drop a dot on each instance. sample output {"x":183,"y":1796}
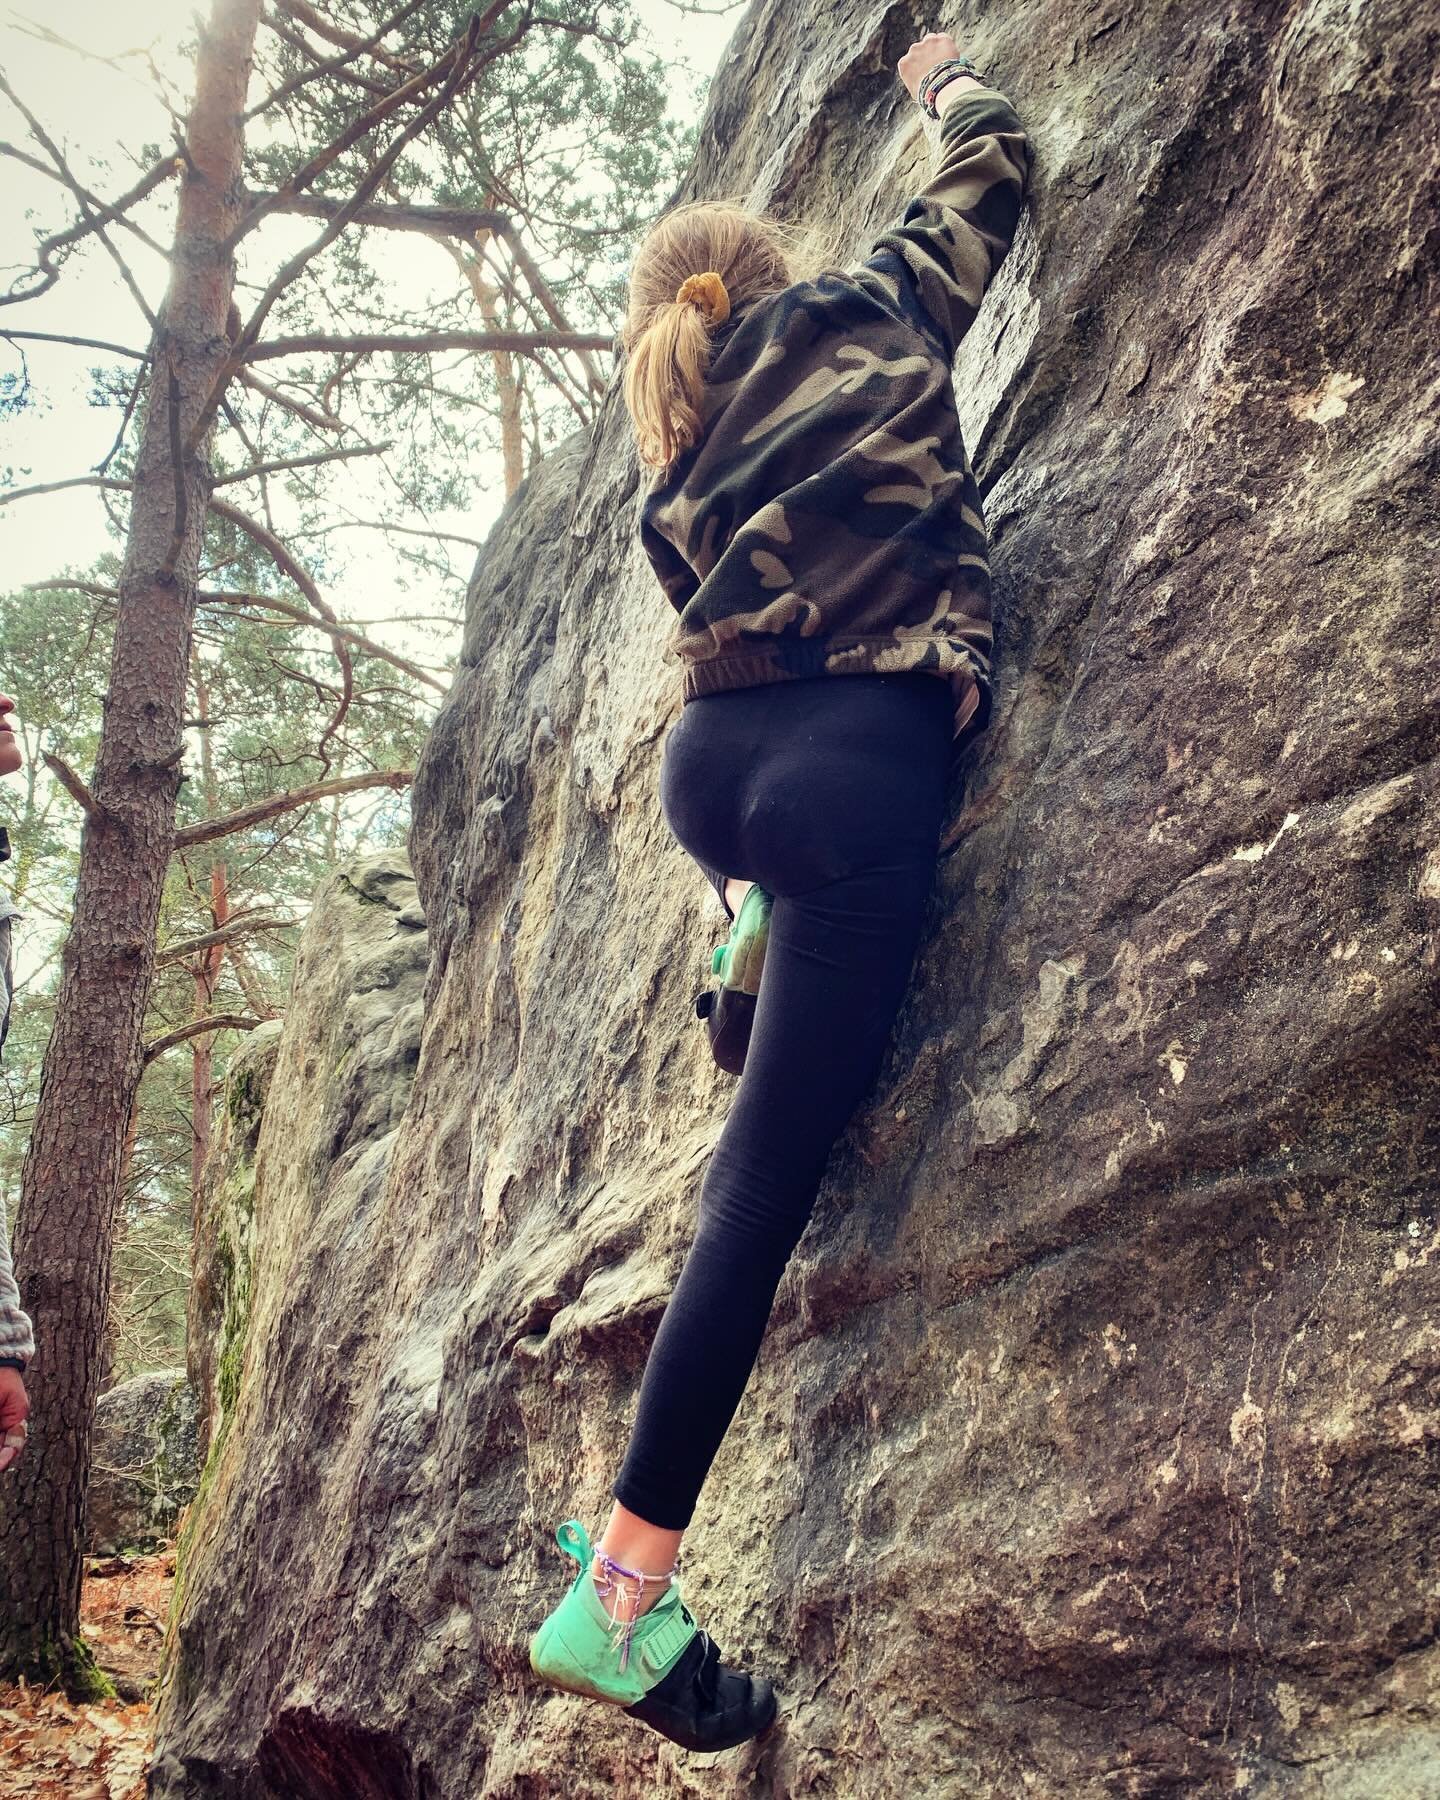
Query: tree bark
{"x":206,"y":968}
{"x":93,"y":1062}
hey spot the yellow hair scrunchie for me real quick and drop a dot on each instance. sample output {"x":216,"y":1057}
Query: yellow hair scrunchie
{"x":707,"y":292}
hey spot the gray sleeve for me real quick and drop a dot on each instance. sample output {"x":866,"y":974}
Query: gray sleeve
{"x":7,"y":966}
{"x":17,"y":1335}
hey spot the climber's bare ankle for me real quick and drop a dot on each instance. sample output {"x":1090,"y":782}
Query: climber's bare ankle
{"x":631,"y":1547}
{"x":622,"y":1596}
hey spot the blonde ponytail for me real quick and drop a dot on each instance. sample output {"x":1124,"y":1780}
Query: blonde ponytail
{"x":697,"y":265}
{"x":665,"y":382}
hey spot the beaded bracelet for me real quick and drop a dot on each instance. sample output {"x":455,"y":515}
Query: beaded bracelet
{"x":936,"y":78}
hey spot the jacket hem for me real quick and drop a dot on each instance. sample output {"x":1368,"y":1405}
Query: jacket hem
{"x":796,"y":661}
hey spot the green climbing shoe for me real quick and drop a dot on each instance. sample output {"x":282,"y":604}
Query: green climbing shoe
{"x":666,"y":1672}
{"x":577,"y":1647}
{"x":728,"y":1009}
{"x":741,"y":961}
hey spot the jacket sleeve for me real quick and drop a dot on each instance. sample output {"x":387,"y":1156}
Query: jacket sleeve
{"x":676,"y":577}
{"x":17,"y":1336}
{"x":937,"y":262}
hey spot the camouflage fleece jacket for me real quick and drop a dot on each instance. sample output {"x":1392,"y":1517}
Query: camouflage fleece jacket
{"x":827,"y":520}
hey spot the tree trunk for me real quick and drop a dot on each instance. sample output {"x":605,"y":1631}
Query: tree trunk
{"x":93,"y":1062}
{"x":110,"y":1343}
{"x":206,"y":969}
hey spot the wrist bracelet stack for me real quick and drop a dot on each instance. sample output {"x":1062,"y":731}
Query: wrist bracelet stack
{"x":936,"y":78}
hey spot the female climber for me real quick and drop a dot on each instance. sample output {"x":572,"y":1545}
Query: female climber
{"x":813,"y":514}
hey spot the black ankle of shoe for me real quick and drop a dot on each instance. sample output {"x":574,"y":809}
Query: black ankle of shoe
{"x":702,"y":1705}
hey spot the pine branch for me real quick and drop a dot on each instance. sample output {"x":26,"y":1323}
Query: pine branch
{"x":72,"y":481}
{"x":301,"y":462}
{"x":97,"y":225}
{"x":76,"y":789}
{"x":333,"y":64}
{"x":287,"y":564}
{"x":313,"y":64}
{"x":227,"y":934}
{"x":368,"y":343}
{"x":105,"y":213}
{"x":450,"y":65}
{"x":196,"y":1028}
{"x":226,"y":824}
{"x":327,"y":28}
{"x":325,"y":622}
{"x":80,"y":343}
{"x":329,"y":626}
{"x":546,"y":298}
{"x":463,"y":67}
{"x":433,"y":221}
{"x":318,"y":421}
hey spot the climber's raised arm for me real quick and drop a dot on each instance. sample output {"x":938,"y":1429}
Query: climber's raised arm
{"x":938,"y":260}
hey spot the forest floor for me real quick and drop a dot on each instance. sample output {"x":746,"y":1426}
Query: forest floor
{"x":52,"y":1748}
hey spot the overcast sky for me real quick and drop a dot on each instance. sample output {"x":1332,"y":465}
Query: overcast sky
{"x":92,"y":110}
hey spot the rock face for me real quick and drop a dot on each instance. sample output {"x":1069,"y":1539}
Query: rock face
{"x":223,"y":1247}
{"x":1092,"y":1449}
{"x":147,"y":1461}
{"x":279,"y":1312}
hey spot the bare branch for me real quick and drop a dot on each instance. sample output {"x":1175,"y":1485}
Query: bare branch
{"x":166,"y":571}
{"x":54,"y":487}
{"x":227,"y":934}
{"x":331,"y":627}
{"x":330,"y":65}
{"x":287,"y":564}
{"x":226,"y":824}
{"x":546,"y":298}
{"x":129,"y":413}
{"x":318,"y":421}
{"x":53,"y":151}
{"x":81,"y":343}
{"x":251,"y":984}
{"x":302,"y":462}
{"x":76,"y":789}
{"x":327,"y":28}
{"x":449,"y":65}
{"x":368,"y":343}
{"x":60,"y":584}
{"x":433,"y":221}
{"x":195,"y":1028}
{"x":105,"y":212}
{"x":448,"y":537}
{"x":559,"y":374}
{"x":313,"y":64}
{"x":463,"y":68}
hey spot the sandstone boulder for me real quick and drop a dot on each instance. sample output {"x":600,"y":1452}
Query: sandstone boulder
{"x":1093,"y":1446}
{"x":145,"y":1462}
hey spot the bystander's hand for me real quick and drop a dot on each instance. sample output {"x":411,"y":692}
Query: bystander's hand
{"x":11,"y":755}
{"x":14,"y":1411}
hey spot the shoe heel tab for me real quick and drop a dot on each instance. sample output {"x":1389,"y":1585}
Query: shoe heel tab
{"x":574,"y":1540}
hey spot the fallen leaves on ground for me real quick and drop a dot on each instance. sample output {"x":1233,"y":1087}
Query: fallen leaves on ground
{"x":52,"y":1748}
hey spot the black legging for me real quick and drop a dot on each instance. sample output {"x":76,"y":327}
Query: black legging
{"x":830,"y":792}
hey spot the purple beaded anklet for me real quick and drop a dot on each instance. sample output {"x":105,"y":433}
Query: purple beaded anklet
{"x":612,"y":1569}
